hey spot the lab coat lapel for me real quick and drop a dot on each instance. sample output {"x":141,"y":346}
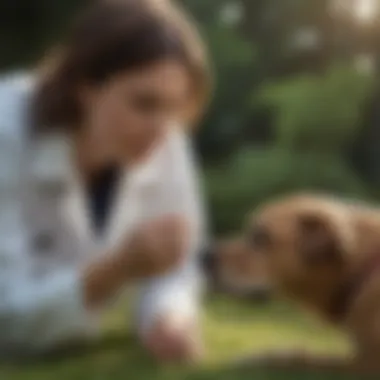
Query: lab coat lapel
{"x":52,"y":163}
{"x":126,"y":210}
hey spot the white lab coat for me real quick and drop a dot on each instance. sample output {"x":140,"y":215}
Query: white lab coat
{"x":46,"y":234}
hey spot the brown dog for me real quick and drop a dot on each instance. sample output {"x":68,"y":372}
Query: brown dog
{"x":325,"y":254}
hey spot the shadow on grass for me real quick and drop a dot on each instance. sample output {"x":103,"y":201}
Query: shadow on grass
{"x":121,"y":343}
{"x":266,"y":374}
{"x":113,"y":357}
{"x":119,"y":358}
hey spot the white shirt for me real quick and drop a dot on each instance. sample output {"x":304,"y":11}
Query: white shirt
{"x":46,"y":235}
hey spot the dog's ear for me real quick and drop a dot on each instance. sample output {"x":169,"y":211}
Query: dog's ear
{"x":319,"y":244}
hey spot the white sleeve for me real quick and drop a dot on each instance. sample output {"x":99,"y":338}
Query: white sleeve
{"x":178,"y":292}
{"x":39,"y":314}
{"x":34,"y":314}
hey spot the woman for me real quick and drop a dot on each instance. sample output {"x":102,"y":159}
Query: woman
{"x":97,"y":182}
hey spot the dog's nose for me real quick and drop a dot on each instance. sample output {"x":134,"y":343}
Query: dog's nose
{"x":208,"y":262}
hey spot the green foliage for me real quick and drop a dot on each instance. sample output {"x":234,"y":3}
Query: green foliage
{"x":233,"y":61}
{"x":257,"y":175}
{"x":318,"y":112}
{"x":29,"y":28}
{"x":314,"y":117}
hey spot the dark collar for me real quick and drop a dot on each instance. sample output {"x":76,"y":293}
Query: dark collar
{"x":343,"y":299}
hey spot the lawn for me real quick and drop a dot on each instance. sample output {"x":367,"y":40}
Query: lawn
{"x":232,"y":328}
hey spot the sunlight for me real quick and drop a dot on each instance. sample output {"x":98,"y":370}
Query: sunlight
{"x":365,"y":9}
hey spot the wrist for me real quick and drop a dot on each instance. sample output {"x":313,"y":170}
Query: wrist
{"x":121,"y":261}
{"x":103,"y":278}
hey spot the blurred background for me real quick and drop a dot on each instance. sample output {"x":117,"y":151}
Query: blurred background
{"x":296,"y":104}
{"x":296,"y":107}
{"x":296,"y":98}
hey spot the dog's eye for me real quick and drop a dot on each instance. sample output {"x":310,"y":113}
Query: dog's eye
{"x":260,"y":238}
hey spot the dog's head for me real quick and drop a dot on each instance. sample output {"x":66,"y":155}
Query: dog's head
{"x":305,"y":241}
{"x":302,"y":245}
{"x":230,"y":268}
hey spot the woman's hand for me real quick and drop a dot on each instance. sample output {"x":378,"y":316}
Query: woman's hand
{"x":155,"y":247}
{"x":174,"y":339}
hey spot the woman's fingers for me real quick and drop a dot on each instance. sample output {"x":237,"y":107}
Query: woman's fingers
{"x":173,"y":342}
{"x":169,"y":238}
{"x":157,"y":246}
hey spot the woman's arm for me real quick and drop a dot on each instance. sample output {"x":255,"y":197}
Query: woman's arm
{"x":38,"y":313}
{"x":151,"y":250}
{"x":177,"y":294}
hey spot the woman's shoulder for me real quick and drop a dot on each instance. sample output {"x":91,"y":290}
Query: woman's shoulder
{"x":179,"y":154}
{"x":178,"y":143}
{"x":15,"y":89}
{"x":16,"y":79}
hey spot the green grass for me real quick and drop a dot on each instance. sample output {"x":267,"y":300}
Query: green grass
{"x":232,"y":329}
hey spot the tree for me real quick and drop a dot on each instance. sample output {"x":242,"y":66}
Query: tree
{"x":319,"y":113}
{"x":233,"y":62}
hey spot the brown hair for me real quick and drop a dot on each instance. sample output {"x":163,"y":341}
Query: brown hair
{"x":110,"y":37}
